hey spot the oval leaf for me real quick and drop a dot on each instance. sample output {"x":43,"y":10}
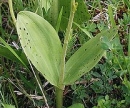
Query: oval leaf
{"x":86,"y":57}
{"x":40,"y":43}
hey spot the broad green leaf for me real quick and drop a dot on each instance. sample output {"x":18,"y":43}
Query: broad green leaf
{"x":86,"y":57}
{"x":77,"y":105}
{"x":81,"y":15}
{"x":40,"y":43}
{"x":5,"y":52}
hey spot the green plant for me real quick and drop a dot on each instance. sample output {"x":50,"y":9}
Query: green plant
{"x":106,"y":102}
{"x":42,"y":47}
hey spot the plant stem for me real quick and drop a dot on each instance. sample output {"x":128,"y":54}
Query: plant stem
{"x":11,"y":11}
{"x":59,"y":91}
{"x":59,"y":97}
